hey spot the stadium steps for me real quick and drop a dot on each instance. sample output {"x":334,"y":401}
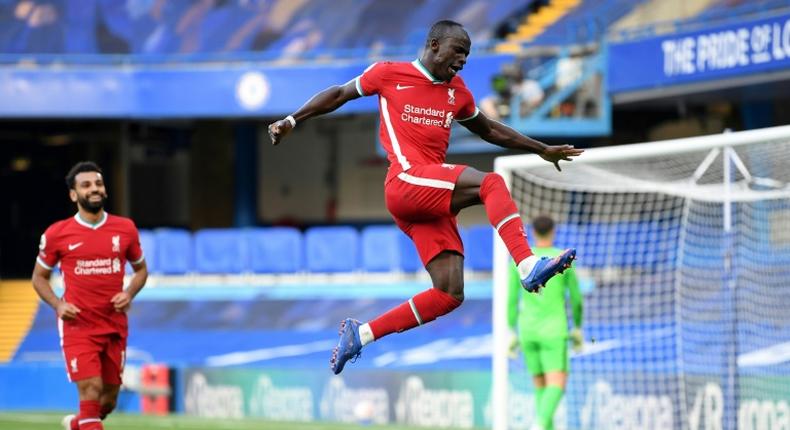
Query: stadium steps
{"x":535,"y":24}
{"x":18,"y":308}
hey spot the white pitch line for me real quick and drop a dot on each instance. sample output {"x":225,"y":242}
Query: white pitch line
{"x":774,"y":354}
{"x":245,"y":357}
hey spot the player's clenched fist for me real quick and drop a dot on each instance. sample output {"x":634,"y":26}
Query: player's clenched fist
{"x":121,"y":301}
{"x":278,"y":129}
{"x":67,"y":311}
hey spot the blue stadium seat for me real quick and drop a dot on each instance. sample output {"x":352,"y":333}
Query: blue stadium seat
{"x":631,"y":244}
{"x":174,"y":251}
{"x":381,"y":248}
{"x":479,"y":247}
{"x":148,"y":243}
{"x":332,"y":249}
{"x":409,"y":258}
{"x":275,"y":250}
{"x":220,"y":251}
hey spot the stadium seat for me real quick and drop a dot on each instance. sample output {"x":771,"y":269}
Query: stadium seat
{"x":148,"y":243}
{"x":332,"y":249}
{"x":409,"y":258}
{"x":275,"y":250}
{"x":381,"y":248}
{"x":478,"y":247}
{"x":174,"y":251}
{"x":220,"y":251}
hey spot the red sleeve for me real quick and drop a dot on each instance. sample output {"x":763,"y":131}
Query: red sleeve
{"x":48,"y":253}
{"x":370,"y":81}
{"x":134,"y":252}
{"x":468,"y":108}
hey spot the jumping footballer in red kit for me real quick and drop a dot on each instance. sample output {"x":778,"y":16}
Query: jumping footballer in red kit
{"x":418,"y":101}
{"x":92,"y":247}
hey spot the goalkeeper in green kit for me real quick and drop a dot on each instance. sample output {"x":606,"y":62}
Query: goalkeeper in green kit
{"x":542,"y":326}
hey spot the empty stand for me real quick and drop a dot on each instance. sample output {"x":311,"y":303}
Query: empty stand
{"x":587,"y":22}
{"x":478,"y":247}
{"x":148,"y":243}
{"x":332,"y":249}
{"x":410,"y":259}
{"x":386,"y":249}
{"x":381,"y":248}
{"x":174,"y":250}
{"x":280,"y":28}
{"x":536,"y":23}
{"x":275,"y":250}
{"x":18,"y":308}
{"x":220,"y":251}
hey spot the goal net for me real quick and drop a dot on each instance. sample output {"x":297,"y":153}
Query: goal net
{"x":684,"y":250}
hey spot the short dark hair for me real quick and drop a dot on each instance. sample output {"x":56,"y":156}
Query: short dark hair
{"x":543,"y":225}
{"x":82,"y":166}
{"x":442,"y":29}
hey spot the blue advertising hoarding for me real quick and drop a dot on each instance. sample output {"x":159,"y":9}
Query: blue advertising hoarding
{"x":735,"y":50}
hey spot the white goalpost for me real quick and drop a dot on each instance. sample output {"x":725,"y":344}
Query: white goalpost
{"x":685,"y":247}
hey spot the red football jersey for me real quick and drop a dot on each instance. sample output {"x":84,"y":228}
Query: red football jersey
{"x":416,"y":111}
{"x":92,"y":259}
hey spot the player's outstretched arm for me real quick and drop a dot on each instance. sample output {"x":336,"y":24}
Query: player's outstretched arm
{"x":324,"y":102}
{"x":500,"y":134}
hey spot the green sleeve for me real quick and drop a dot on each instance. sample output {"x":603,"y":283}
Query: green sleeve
{"x":577,"y":307}
{"x":513,"y":296}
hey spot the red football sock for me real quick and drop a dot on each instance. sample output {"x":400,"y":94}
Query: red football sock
{"x":420,"y":309}
{"x":503,"y":215}
{"x":89,"y":415}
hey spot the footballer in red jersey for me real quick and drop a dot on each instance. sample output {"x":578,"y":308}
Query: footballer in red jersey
{"x":92,"y":248}
{"x":418,"y":102}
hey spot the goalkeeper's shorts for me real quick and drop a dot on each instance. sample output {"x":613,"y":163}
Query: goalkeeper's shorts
{"x":546,"y":356}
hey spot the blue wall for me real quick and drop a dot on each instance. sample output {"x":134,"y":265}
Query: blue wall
{"x":245,"y":89}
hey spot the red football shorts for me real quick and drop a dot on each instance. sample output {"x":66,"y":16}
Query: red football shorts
{"x":95,"y":355}
{"x":419,"y":201}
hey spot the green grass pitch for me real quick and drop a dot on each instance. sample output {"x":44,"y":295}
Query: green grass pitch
{"x":51,"y":421}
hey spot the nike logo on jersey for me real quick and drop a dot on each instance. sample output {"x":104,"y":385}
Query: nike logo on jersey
{"x":403,"y":87}
{"x":73,"y":246}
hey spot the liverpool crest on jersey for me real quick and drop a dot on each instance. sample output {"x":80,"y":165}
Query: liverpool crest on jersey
{"x":451,"y":96}
{"x":116,"y":244}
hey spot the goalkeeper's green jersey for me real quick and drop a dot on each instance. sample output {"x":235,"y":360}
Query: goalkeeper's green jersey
{"x":542,"y":316}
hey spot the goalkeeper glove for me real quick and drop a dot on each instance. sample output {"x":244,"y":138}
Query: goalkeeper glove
{"x":514,"y":344}
{"x":577,"y":339}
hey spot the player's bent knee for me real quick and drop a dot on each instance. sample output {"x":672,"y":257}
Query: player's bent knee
{"x":90,"y":389}
{"x":453,"y":289}
{"x":492,"y":183}
{"x":448,"y":306}
{"x":107,"y":407}
{"x":459,"y":296}
{"x":494,"y":178}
